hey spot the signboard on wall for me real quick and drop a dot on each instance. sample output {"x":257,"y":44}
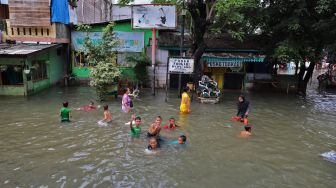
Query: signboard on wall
{"x":4,"y":2}
{"x":181,"y":65}
{"x":225,"y":64}
{"x":128,"y":41}
{"x":154,"y":16}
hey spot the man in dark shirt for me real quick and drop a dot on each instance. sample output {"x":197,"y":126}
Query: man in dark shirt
{"x":243,"y":107}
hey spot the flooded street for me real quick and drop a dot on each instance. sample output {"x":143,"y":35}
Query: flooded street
{"x":290,"y":132}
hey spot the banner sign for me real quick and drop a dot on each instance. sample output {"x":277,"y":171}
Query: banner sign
{"x":181,"y":65}
{"x":224,"y":64}
{"x":154,"y":16}
{"x":128,"y":41}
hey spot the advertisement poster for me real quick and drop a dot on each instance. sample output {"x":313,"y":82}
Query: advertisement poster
{"x":154,"y":16}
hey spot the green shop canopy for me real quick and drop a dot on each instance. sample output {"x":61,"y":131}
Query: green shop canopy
{"x":230,"y":61}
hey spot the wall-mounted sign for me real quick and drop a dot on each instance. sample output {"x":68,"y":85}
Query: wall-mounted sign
{"x":128,"y":41}
{"x":4,"y":2}
{"x":181,"y":65}
{"x":224,"y":64}
{"x":154,"y":16}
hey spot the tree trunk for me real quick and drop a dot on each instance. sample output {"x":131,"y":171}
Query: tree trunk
{"x":304,"y":78}
{"x":296,"y":67}
{"x":197,"y":11}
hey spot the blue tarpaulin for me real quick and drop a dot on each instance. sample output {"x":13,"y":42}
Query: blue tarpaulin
{"x":60,"y":11}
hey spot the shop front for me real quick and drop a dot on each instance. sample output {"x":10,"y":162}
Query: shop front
{"x":27,"y":69}
{"x":228,"y":72}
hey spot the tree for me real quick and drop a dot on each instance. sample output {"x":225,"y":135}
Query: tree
{"x":139,"y":63}
{"x":297,"y":31}
{"x":103,"y":56}
{"x":209,"y":16}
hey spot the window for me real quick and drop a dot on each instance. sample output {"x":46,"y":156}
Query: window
{"x":4,"y":11}
{"x":80,"y":60}
{"x":11,"y":75}
{"x":39,"y":70}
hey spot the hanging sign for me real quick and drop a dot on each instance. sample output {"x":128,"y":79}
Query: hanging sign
{"x":224,"y":64}
{"x":181,"y":65}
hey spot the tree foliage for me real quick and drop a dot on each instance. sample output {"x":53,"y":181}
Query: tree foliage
{"x":299,"y":30}
{"x":102,"y":55}
{"x":139,"y":63}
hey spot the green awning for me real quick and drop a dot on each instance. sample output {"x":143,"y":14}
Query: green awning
{"x":230,"y":61}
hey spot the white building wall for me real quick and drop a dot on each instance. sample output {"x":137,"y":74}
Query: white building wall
{"x":160,"y":68}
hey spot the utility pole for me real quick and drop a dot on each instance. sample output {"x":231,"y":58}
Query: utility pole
{"x":181,"y":47}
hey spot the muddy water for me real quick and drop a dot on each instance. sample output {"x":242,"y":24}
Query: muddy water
{"x":36,"y":150}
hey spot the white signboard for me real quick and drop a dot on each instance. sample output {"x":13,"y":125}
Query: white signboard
{"x":181,"y":65}
{"x":4,"y":2}
{"x":154,"y":16}
{"x":225,"y":64}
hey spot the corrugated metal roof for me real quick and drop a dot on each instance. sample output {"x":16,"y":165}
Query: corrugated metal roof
{"x":23,"y":49}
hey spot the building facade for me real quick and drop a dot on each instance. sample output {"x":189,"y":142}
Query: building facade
{"x":34,"y":45}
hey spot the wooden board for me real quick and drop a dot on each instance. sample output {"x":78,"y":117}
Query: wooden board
{"x":93,"y":11}
{"x":29,"y":13}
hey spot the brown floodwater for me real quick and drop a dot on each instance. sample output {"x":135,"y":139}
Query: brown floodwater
{"x":289,"y":133}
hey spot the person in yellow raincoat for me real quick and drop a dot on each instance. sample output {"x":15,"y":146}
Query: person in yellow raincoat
{"x":185,"y":101}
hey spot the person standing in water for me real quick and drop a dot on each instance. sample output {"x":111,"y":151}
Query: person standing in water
{"x":243,"y":107}
{"x":65,"y":113}
{"x":107,"y":115}
{"x":185,"y":101}
{"x":126,"y":102}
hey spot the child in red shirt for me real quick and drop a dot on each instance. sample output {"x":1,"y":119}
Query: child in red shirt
{"x":171,"y":124}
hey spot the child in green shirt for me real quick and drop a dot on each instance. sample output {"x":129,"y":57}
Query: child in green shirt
{"x":135,"y":129}
{"x":65,"y":113}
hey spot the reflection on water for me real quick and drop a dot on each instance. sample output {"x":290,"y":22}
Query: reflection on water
{"x":36,"y":150}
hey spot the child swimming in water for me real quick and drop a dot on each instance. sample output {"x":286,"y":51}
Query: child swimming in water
{"x":248,"y":129}
{"x":88,"y":107}
{"x":135,"y":128}
{"x":180,"y":141}
{"x":153,"y":144}
{"x":107,"y":115}
{"x":152,"y":147}
{"x":65,"y":113}
{"x":155,"y":128}
{"x":171,"y":124}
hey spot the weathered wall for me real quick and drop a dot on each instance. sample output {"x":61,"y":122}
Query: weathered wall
{"x":29,"y":13}
{"x":94,"y":11}
{"x":56,"y":32}
{"x":160,"y":69}
{"x":55,"y":64}
{"x":12,"y":90}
